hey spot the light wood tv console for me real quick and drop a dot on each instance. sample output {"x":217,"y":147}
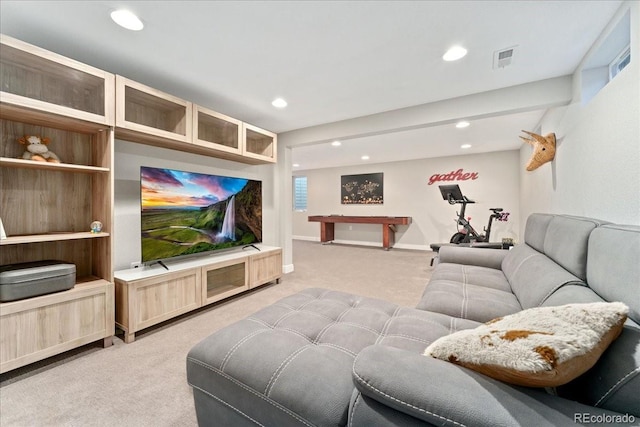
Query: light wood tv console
{"x":146,"y":296}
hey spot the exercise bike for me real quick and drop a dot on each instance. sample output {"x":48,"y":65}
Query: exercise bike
{"x":467,"y":233}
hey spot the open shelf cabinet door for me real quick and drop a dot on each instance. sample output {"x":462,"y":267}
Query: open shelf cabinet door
{"x":259,"y":144}
{"x":39,"y":84}
{"x":218,"y":133}
{"x":149,"y":116}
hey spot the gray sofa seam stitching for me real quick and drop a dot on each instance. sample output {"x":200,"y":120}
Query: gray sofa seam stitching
{"x":353,"y":409}
{"x":408,"y":337}
{"x":616,"y":385}
{"x":260,"y":321}
{"x":280,"y":328}
{"x":281,"y":304}
{"x":375,"y":310}
{"x":421,"y":319}
{"x":299,"y":309}
{"x":337,"y":347}
{"x":401,"y":401}
{"x":284,"y":316}
{"x":285,"y":361}
{"x":334,"y":321}
{"x":269,"y":401}
{"x":293,"y":356}
{"x":321,"y":333}
{"x":235,"y":347}
{"x":515,"y":270}
{"x":229,"y":405}
{"x":464,"y":292}
{"x":355,"y":325}
{"x":553,"y":291}
{"x":386,"y":325}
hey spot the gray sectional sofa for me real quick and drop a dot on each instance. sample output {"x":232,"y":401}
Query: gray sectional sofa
{"x":326,"y":358}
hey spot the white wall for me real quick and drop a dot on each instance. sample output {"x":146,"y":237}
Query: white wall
{"x":527,"y":97}
{"x":596,"y":171}
{"x":128,"y":159}
{"x":407,"y":193}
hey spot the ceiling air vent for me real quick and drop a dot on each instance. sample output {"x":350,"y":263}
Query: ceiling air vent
{"x":503,"y":57}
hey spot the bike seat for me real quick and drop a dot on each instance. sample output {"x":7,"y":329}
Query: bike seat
{"x":496,"y":209}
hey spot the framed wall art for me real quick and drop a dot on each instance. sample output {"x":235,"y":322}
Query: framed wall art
{"x":363,"y":189}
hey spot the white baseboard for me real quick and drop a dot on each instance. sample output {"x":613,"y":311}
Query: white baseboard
{"x":307,"y":238}
{"x":357,"y":242}
{"x":288,"y":268}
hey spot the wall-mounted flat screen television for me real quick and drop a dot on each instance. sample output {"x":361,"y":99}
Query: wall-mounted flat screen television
{"x":185,"y":213}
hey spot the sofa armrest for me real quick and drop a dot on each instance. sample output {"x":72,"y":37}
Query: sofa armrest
{"x":491,"y":258}
{"x":442,"y":393}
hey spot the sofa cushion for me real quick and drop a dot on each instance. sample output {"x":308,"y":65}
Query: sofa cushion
{"x":365,"y":411}
{"x":536,"y":230}
{"x":538,"y":347}
{"x":572,"y":294}
{"x":614,"y":382}
{"x":444,"y":394}
{"x":410,"y":328}
{"x":533,"y":276}
{"x":467,"y":301}
{"x":566,"y":242}
{"x":613,"y":270}
{"x":481,"y":257}
{"x":469,"y":292}
{"x":472,"y":275}
{"x":290,"y":363}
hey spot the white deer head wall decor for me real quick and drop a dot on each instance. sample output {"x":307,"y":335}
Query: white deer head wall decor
{"x":544,"y":149}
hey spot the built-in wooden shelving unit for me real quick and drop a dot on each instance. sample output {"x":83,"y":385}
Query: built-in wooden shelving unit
{"x":47,"y":208}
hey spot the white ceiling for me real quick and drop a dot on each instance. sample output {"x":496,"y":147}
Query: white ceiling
{"x":331,"y":60}
{"x":498,"y":133}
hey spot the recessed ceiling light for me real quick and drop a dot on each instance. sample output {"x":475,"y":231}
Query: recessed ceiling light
{"x":127,"y":19}
{"x":365,"y":157}
{"x":465,"y":146}
{"x":455,"y":53}
{"x":336,"y":143}
{"x":296,"y":165}
{"x":462,"y":124}
{"x":279,"y":103}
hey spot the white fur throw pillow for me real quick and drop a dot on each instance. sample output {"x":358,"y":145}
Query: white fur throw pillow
{"x":538,"y":347}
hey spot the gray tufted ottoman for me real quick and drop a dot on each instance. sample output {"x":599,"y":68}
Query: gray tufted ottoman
{"x":290,"y":364}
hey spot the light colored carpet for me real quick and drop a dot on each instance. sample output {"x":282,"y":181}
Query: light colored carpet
{"x":144,"y":383}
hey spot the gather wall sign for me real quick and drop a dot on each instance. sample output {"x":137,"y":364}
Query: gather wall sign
{"x":459,"y":175}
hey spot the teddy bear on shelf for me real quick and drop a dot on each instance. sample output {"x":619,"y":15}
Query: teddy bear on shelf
{"x":37,"y":149}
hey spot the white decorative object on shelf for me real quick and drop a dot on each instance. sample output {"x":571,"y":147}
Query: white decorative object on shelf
{"x":96,"y":227}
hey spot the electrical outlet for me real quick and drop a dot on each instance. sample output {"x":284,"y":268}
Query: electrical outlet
{"x":351,"y":227}
{"x":136,"y":264}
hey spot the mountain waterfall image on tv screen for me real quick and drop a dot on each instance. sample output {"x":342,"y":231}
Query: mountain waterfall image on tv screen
{"x":185,"y":213}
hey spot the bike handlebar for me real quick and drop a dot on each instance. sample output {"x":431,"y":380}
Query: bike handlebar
{"x":464,"y":200}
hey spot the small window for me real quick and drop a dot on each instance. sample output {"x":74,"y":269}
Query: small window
{"x":300,"y":193}
{"x":610,"y":55}
{"x":620,"y":62}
